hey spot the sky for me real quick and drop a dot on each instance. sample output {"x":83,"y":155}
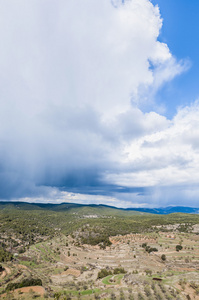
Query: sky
{"x":180,"y":30}
{"x":99,"y":102}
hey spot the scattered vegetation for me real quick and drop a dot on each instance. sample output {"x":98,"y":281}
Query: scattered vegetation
{"x":148,"y":248}
{"x":5,"y":255}
{"x":24,"y":283}
{"x":66,"y":248}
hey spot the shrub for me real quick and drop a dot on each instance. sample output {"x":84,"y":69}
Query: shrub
{"x":148,"y":272}
{"x":1,"y":268}
{"x":26,"y":282}
{"x":113,"y":297}
{"x":148,"y":248}
{"x":103,"y":273}
{"x":5,"y":255}
{"x":119,"y":271}
{"x":193,"y":285}
{"x":178,"y":248}
{"x":101,"y":240}
{"x":147,"y":291}
{"x":163,"y":257}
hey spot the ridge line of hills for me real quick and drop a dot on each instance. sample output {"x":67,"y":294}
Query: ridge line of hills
{"x":67,"y":206}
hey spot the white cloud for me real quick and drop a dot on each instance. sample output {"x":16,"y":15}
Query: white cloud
{"x":166,"y":161}
{"x":72,"y":74}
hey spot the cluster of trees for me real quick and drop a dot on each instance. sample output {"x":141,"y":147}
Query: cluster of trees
{"x":178,"y":248}
{"x":31,"y":222}
{"x":148,"y":248}
{"x":5,"y":255}
{"x":105,"y":272}
{"x":29,"y":228}
{"x":119,"y":271}
{"x":26,"y":282}
{"x":98,"y":239}
{"x":44,"y":221}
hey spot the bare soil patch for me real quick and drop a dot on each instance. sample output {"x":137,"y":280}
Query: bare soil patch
{"x":73,"y":272}
{"x":7,"y":271}
{"x":188,"y":291}
{"x":3,"y":274}
{"x":70,"y":271}
{"x":37,"y":289}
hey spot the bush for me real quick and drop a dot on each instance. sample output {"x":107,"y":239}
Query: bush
{"x":5,"y":255}
{"x":163,"y":257}
{"x":103,"y":273}
{"x":101,"y":240}
{"x":148,"y":248}
{"x":148,"y":272}
{"x":178,"y":248}
{"x":22,"y":250}
{"x":147,"y":291}
{"x":113,"y":297}
{"x":119,"y":271}
{"x":1,"y":268}
{"x":193,"y":285}
{"x":26,"y":282}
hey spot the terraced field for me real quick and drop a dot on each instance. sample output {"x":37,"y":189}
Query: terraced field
{"x":67,"y":270}
{"x":97,"y":253}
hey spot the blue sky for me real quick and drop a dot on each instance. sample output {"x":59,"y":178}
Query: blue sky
{"x":180,"y":31}
{"x":99,"y":102}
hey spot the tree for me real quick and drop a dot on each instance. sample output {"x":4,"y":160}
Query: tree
{"x":103,"y":273}
{"x":163,"y":257}
{"x":1,"y":268}
{"x":178,"y":248}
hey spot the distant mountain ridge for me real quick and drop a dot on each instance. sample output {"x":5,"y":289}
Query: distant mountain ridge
{"x":168,"y":210}
{"x":68,"y":206}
